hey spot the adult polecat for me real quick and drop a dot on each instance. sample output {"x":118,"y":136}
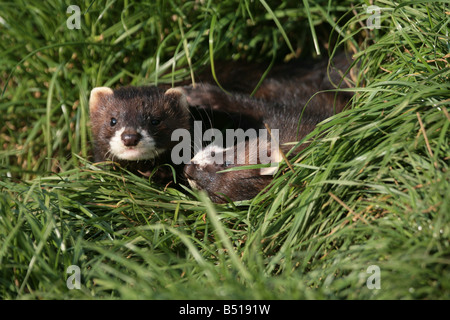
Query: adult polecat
{"x":281,"y":106}
{"x":133,"y":126}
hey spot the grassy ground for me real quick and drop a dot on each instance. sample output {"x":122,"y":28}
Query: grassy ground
{"x":372,"y":192}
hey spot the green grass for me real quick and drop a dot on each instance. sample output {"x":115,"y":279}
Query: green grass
{"x":372,"y":191}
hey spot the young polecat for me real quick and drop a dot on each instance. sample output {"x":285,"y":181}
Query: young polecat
{"x":281,"y":105}
{"x":133,"y":126}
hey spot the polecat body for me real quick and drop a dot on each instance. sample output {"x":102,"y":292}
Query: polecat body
{"x":133,"y":125}
{"x":280,"y":104}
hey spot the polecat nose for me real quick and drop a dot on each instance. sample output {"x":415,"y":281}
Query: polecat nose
{"x":131,"y":139}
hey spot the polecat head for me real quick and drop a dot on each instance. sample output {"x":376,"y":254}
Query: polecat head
{"x":203,"y":173}
{"x":135,"y":123}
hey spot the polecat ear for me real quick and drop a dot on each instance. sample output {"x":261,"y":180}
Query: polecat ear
{"x":179,"y":94}
{"x":97,"y":95}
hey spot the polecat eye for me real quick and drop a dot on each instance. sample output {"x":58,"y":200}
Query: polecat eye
{"x":155,"y":122}
{"x":113,"y":122}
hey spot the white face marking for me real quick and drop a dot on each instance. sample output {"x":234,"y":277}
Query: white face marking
{"x":144,"y":150}
{"x":205,"y":157}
